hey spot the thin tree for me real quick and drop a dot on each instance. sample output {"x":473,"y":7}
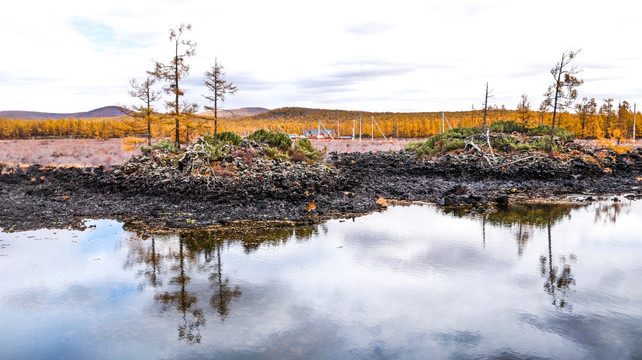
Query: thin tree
{"x":562,"y":92}
{"x":486,"y":104}
{"x":608,"y":114}
{"x":173,"y":73}
{"x":219,"y":88}
{"x":524,"y":110}
{"x":585,"y":110}
{"x":144,"y":92}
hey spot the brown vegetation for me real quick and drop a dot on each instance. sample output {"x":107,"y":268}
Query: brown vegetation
{"x":64,"y":152}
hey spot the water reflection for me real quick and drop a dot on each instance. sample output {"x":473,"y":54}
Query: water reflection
{"x":523,"y":219}
{"x":411,"y":282}
{"x":558,"y":278}
{"x":200,"y":252}
{"x":608,"y":212}
{"x":209,"y":244}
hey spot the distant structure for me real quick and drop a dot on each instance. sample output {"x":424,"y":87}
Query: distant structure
{"x":319,"y":134}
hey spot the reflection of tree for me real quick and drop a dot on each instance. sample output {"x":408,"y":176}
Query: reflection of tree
{"x":523,"y":217}
{"x":185,"y":302}
{"x":209,"y":243}
{"x":139,"y":253}
{"x":522,"y":235}
{"x":558,"y":279}
{"x":201,"y":251}
{"x":221,"y":299}
{"x":609,"y":212}
{"x":252,"y":237}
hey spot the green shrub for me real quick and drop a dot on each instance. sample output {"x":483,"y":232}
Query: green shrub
{"x":274,"y":139}
{"x":509,"y":126}
{"x":505,"y":143}
{"x":166,"y":145}
{"x":540,"y":130}
{"x":224,"y":137}
{"x":544,"y":130}
{"x":274,"y":153}
{"x":215,"y":153}
{"x":304,"y":146}
{"x":446,"y":141}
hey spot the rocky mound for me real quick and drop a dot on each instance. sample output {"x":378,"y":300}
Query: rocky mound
{"x":251,"y":182}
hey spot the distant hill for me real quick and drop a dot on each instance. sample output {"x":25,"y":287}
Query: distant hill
{"x":236,"y":113}
{"x":103,"y":112}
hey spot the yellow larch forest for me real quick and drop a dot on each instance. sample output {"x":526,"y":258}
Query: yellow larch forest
{"x":608,"y":123}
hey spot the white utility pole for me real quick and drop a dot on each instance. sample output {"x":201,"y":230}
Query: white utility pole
{"x":353,"y":127}
{"x":372,"y":129}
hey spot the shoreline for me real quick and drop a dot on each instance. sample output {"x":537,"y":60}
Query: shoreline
{"x":349,"y":184}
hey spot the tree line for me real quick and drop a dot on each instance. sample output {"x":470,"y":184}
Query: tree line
{"x":590,"y":120}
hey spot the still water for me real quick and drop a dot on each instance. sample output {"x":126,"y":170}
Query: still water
{"x":413,"y":282}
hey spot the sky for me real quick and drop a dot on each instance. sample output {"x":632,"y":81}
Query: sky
{"x":403,"y":56}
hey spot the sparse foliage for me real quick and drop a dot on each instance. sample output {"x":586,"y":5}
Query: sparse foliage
{"x":524,"y":111}
{"x":173,"y":73}
{"x":142,"y":116}
{"x":586,"y":110}
{"x":219,"y":88}
{"x":561,"y":94}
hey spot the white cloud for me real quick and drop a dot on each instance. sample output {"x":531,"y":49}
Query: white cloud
{"x":70,"y":55}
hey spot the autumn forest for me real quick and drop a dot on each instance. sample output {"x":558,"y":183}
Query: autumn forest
{"x":590,"y":120}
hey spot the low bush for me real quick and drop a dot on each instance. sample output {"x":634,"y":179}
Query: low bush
{"x":543,"y":130}
{"x":166,"y":145}
{"x":304,"y":146}
{"x":274,"y":139}
{"x":224,"y":137}
{"x":446,"y":141}
{"x":509,"y":126}
{"x":274,"y":153}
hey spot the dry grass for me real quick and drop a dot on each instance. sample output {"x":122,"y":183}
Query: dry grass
{"x":64,"y":152}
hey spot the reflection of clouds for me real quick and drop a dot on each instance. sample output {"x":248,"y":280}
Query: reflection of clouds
{"x":400,"y":284}
{"x":604,"y":337}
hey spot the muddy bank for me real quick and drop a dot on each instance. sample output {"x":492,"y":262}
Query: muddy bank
{"x":149,"y":191}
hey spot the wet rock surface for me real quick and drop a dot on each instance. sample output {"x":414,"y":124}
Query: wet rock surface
{"x":158,"y":191}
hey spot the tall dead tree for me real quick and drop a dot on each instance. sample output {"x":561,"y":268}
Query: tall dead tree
{"x":486,"y":104}
{"x":219,"y":88}
{"x":561,"y":94}
{"x":173,"y":73}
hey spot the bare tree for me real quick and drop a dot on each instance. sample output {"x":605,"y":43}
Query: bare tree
{"x":219,"y":88}
{"x":173,"y":73}
{"x":562,"y":92}
{"x":486,"y":104}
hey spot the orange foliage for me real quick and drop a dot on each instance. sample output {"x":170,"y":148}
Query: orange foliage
{"x":298,"y":120}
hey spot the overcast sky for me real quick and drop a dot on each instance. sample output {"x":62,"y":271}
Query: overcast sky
{"x":429,"y":55}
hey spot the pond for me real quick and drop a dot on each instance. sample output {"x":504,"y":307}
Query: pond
{"x":413,"y":282}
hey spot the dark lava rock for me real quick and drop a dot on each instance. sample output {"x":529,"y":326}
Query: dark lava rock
{"x":153,"y":188}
